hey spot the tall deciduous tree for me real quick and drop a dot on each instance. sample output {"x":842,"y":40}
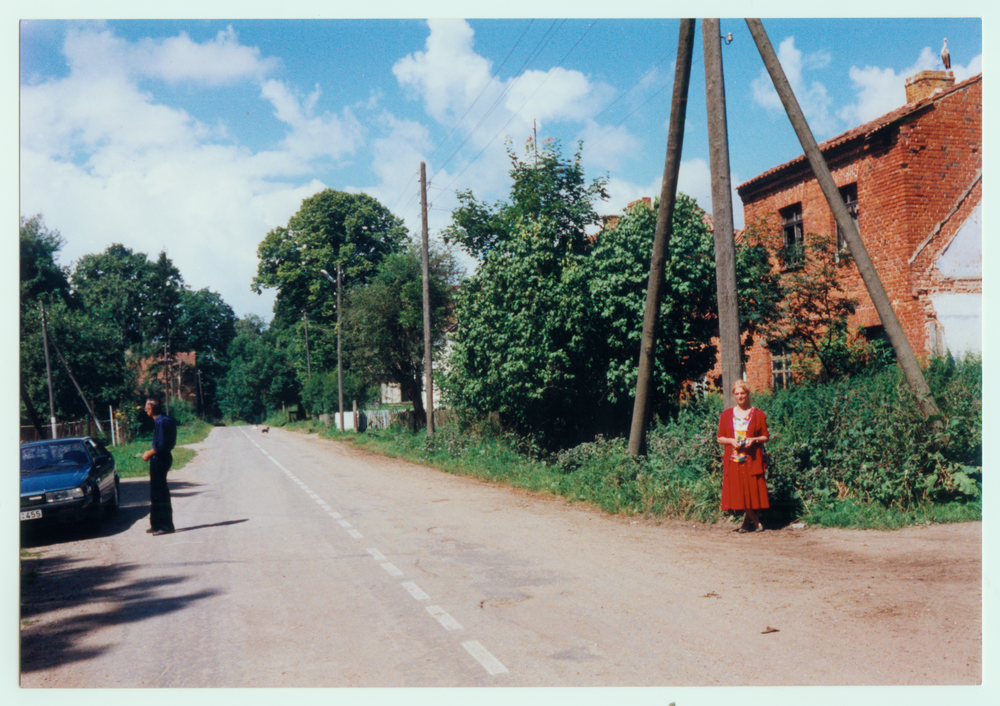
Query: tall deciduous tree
{"x":331,"y":228}
{"x":545,"y":185}
{"x":384,"y":325}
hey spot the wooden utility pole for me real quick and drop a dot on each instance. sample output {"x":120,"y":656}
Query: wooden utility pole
{"x":86,"y":402}
{"x":340,"y":357}
{"x":425,"y":257}
{"x":48,"y":373}
{"x":340,"y":369}
{"x":661,"y":239}
{"x":722,"y":211}
{"x":893,"y":328}
{"x":305,"y":322}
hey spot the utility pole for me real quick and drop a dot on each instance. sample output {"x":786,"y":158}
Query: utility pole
{"x":340,"y":370}
{"x":48,"y":373}
{"x":340,"y":360}
{"x":425,"y":257}
{"x":722,"y":211}
{"x":166,"y":376}
{"x":86,"y":402}
{"x":661,"y":240}
{"x":305,"y":322}
{"x":866,"y":268}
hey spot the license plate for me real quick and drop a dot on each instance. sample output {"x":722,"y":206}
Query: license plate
{"x":31,"y":515}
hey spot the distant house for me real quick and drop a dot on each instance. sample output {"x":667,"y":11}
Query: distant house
{"x":177,"y":379}
{"x":912,"y":179}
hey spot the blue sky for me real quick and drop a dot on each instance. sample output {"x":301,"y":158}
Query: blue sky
{"x":199,"y":136}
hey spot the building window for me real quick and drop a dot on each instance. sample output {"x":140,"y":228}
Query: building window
{"x":850,"y":195}
{"x":781,"y":368}
{"x":791,"y":227}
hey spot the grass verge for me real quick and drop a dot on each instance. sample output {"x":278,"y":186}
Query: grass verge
{"x":128,"y":457}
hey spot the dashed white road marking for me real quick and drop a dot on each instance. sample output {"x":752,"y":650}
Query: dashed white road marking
{"x":447,"y":622}
{"x":391,"y":569}
{"x":490,"y":663}
{"x":414,"y":590}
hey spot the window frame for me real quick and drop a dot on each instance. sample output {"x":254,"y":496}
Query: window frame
{"x":781,"y":366}
{"x":849,"y":194}
{"x":793,"y":235}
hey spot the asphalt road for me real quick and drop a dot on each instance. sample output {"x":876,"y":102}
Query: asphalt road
{"x":302,"y":562}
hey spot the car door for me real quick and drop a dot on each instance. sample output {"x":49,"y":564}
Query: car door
{"x":104,"y":467}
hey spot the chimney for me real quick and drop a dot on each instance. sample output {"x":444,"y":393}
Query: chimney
{"x":926,"y":83}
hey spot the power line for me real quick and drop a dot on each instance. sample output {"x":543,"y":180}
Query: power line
{"x":504,"y":127}
{"x":459,"y":122}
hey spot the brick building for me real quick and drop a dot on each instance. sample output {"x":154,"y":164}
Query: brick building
{"x":183,"y":376}
{"x":913,"y":181}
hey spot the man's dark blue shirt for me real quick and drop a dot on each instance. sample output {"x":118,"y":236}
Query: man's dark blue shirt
{"x":164,"y":434}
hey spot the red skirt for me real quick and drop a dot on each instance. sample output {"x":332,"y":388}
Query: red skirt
{"x":742,"y":488}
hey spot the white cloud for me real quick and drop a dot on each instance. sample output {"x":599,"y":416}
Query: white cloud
{"x":96,"y":51}
{"x":222,"y":60}
{"x":880,"y":91}
{"x":812,"y":97}
{"x":312,"y":136}
{"x":449,"y":75}
{"x":693,"y":179}
{"x":126,"y":168}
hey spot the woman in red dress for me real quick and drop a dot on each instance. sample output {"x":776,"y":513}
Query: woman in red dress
{"x":743,"y":433}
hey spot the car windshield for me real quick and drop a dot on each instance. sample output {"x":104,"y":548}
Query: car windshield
{"x":58,"y":453}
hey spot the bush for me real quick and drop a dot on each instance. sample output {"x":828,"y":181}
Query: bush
{"x":855,"y":443}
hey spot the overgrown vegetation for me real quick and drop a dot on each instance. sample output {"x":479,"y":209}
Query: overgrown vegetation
{"x":852,"y":453}
{"x":128,"y":459}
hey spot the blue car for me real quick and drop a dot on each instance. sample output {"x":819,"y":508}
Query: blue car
{"x":64,"y":480}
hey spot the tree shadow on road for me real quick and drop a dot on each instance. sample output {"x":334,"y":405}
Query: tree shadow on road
{"x":52,"y":584}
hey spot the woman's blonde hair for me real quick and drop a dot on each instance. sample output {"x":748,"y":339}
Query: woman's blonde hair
{"x":742,"y":385}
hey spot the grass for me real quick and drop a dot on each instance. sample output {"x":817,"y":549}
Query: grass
{"x":128,"y":456}
{"x":852,"y":515}
{"x":607,"y":481}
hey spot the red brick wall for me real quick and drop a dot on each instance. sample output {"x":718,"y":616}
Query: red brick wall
{"x":909,"y":176}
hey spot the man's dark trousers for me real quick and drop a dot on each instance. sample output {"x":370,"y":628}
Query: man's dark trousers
{"x":161,"y":515}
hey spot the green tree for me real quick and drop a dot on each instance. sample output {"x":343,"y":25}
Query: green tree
{"x":259,"y":378}
{"x":114,"y":286}
{"x":207,"y":326}
{"x":688,"y":319}
{"x":545,"y":185}
{"x":384,"y":320}
{"x":812,"y":320}
{"x":331,"y":228}
{"x":523,"y":346}
{"x":41,"y":277}
{"x":91,"y":347}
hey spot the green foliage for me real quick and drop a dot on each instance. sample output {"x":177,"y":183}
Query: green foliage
{"x":523,"y":344}
{"x":384,"y":320}
{"x":331,"y":228}
{"x":41,"y":278}
{"x":321,"y":394}
{"x":259,"y":375}
{"x":546,"y":186}
{"x":619,"y":275}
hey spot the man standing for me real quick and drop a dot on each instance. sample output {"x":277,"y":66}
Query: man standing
{"x":161,"y":515}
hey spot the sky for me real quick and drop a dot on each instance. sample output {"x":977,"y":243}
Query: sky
{"x":198,"y":136}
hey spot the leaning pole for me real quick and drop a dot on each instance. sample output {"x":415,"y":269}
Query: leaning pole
{"x":893,"y":328}
{"x":661,"y":239}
